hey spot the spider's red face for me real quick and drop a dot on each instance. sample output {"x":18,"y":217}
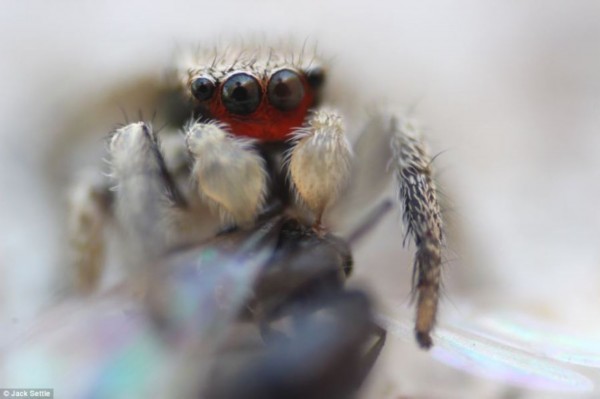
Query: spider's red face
{"x":265,"y":105}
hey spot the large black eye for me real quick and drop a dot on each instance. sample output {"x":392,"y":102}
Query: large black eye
{"x":285,"y":90}
{"x":241,"y":94}
{"x":315,"y":77}
{"x":203,"y":88}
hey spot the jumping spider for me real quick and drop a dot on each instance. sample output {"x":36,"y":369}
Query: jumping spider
{"x":256,"y":138}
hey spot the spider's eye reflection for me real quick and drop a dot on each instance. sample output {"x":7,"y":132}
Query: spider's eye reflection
{"x":241,"y":94}
{"x":203,"y":88}
{"x":285,"y":90}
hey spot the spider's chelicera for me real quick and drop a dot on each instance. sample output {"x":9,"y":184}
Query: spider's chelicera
{"x":257,"y":139}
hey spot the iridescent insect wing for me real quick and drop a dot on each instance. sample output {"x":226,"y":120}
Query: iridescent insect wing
{"x":526,"y":333}
{"x":116,"y":346}
{"x":491,"y":356}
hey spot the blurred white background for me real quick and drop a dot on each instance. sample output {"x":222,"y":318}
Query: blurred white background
{"x":510,"y":90}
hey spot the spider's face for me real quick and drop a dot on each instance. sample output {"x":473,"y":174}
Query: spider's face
{"x":263,"y":99}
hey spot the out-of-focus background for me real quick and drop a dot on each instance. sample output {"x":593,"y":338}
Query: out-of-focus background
{"x":510,"y":91}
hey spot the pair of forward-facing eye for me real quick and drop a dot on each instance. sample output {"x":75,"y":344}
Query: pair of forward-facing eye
{"x":241,"y":93}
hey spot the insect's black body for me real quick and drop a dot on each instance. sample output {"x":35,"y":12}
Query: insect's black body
{"x":300,"y":333}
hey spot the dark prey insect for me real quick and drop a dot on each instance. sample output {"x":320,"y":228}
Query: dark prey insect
{"x":257,"y":313}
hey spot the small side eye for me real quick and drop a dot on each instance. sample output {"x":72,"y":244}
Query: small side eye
{"x":315,"y":77}
{"x":285,"y":90}
{"x":241,"y":94}
{"x":203,"y":88}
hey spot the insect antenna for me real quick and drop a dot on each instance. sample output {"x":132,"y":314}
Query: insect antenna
{"x":173,"y":192}
{"x":369,"y":222}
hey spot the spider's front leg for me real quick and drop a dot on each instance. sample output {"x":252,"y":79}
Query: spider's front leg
{"x":319,"y":163}
{"x":230,"y":174}
{"x":422,"y":216}
{"x":396,"y":139}
{"x":146,"y":196}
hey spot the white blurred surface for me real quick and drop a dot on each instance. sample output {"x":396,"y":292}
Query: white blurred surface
{"x":510,"y":89}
